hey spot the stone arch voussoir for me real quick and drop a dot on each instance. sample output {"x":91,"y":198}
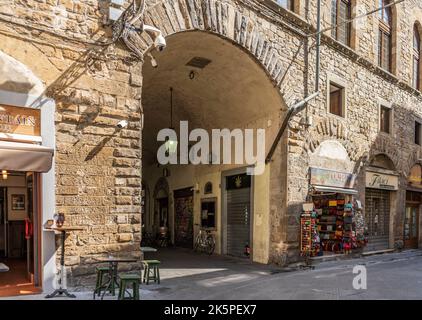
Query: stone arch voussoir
{"x":222,"y":19}
{"x":331,"y":129}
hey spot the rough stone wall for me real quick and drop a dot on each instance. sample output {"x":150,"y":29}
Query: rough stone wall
{"x":366,"y":85}
{"x":262,"y":28}
{"x":98,"y":168}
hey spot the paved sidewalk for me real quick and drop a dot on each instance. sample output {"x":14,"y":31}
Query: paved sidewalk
{"x":189,"y":276}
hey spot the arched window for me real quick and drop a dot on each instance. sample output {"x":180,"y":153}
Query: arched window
{"x":385,"y":36}
{"x":288,"y":4}
{"x":341,"y":11}
{"x":416,"y":57}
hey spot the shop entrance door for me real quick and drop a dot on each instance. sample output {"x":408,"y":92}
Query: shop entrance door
{"x":411,"y":226}
{"x":238,"y":210}
{"x":377,"y":216}
{"x":183,"y":206}
{"x":20,"y":234}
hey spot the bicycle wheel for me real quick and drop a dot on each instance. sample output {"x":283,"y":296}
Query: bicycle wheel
{"x":197,"y":242}
{"x":210,"y":245}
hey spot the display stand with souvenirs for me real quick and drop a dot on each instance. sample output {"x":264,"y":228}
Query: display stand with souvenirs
{"x":334,"y":225}
{"x":359,"y":226}
{"x":310,"y":241}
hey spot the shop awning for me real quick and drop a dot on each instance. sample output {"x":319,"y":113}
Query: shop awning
{"x":15,"y":156}
{"x":335,"y":189}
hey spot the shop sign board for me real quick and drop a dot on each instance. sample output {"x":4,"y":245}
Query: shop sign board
{"x":19,"y":120}
{"x":383,"y":181}
{"x":415,"y":177}
{"x":330,"y":178}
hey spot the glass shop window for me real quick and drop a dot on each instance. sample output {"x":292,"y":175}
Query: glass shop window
{"x":208,"y":212}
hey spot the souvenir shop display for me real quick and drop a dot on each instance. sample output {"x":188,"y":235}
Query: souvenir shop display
{"x":349,"y":237}
{"x":360,"y":226}
{"x":340,"y":228}
{"x":310,"y":240}
{"x":330,"y":223}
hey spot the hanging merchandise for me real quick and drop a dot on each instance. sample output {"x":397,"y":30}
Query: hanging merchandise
{"x":310,"y":239}
{"x":348,"y":235}
{"x":329,"y":221}
{"x":359,"y":226}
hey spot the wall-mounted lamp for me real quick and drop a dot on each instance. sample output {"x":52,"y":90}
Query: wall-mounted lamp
{"x":171,"y":145}
{"x":4,"y":174}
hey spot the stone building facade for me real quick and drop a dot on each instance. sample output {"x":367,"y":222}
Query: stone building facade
{"x":93,"y":84}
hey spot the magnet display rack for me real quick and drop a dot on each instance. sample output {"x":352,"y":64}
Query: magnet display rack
{"x":307,"y":230}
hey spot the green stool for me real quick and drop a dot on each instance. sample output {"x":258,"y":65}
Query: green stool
{"x":99,"y":285}
{"x":151,"y":271}
{"x":126,"y":279}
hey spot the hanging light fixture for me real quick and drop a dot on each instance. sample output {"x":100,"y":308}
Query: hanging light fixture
{"x":171,"y":144}
{"x":4,"y":174}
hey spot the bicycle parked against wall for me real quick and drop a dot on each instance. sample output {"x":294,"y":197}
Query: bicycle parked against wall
{"x":204,"y":241}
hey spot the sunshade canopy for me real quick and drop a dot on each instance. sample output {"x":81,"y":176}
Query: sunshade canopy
{"x":15,"y":156}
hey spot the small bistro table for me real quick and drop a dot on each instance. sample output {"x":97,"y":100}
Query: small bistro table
{"x":3,"y":267}
{"x":62,"y":287}
{"x":148,"y":249}
{"x":113,"y":262}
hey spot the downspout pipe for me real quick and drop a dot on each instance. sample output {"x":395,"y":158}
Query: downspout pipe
{"x":298,"y":107}
{"x":318,"y":46}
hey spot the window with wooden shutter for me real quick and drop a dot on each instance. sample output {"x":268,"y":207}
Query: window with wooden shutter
{"x":337,"y":100}
{"x":385,"y":119}
{"x":417,"y":133}
{"x":385,"y":37}
{"x":340,"y":13}
{"x":416,"y":58}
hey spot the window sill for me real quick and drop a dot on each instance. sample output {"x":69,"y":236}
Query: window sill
{"x":335,"y":116}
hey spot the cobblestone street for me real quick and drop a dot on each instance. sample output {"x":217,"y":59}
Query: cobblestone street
{"x":188,"y":276}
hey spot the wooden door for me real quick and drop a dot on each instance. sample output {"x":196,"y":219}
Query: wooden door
{"x":411,"y":226}
{"x":183,"y":207}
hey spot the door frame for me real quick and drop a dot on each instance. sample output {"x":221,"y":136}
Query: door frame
{"x":184,"y":193}
{"x":4,"y":222}
{"x":223,"y":227}
{"x":37,"y":227}
{"x":417,"y":205}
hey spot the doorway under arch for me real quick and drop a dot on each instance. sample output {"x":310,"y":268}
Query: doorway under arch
{"x":215,"y":85}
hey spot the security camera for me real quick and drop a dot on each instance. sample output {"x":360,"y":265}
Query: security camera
{"x":122,"y":124}
{"x":159,"y":41}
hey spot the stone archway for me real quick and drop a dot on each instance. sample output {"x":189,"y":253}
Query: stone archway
{"x":222,"y":95}
{"x":18,"y":78}
{"x":231,"y":22}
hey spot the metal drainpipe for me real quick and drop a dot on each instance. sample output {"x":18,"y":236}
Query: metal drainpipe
{"x":300,"y":105}
{"x":318,"y":45}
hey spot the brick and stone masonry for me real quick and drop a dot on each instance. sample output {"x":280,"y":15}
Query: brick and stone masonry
{"x":95,"y":85}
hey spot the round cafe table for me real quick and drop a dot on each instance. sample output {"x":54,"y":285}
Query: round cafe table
{"x":3,"y":267}
{"x":62,"y":290}
{"x":112,"y":279}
